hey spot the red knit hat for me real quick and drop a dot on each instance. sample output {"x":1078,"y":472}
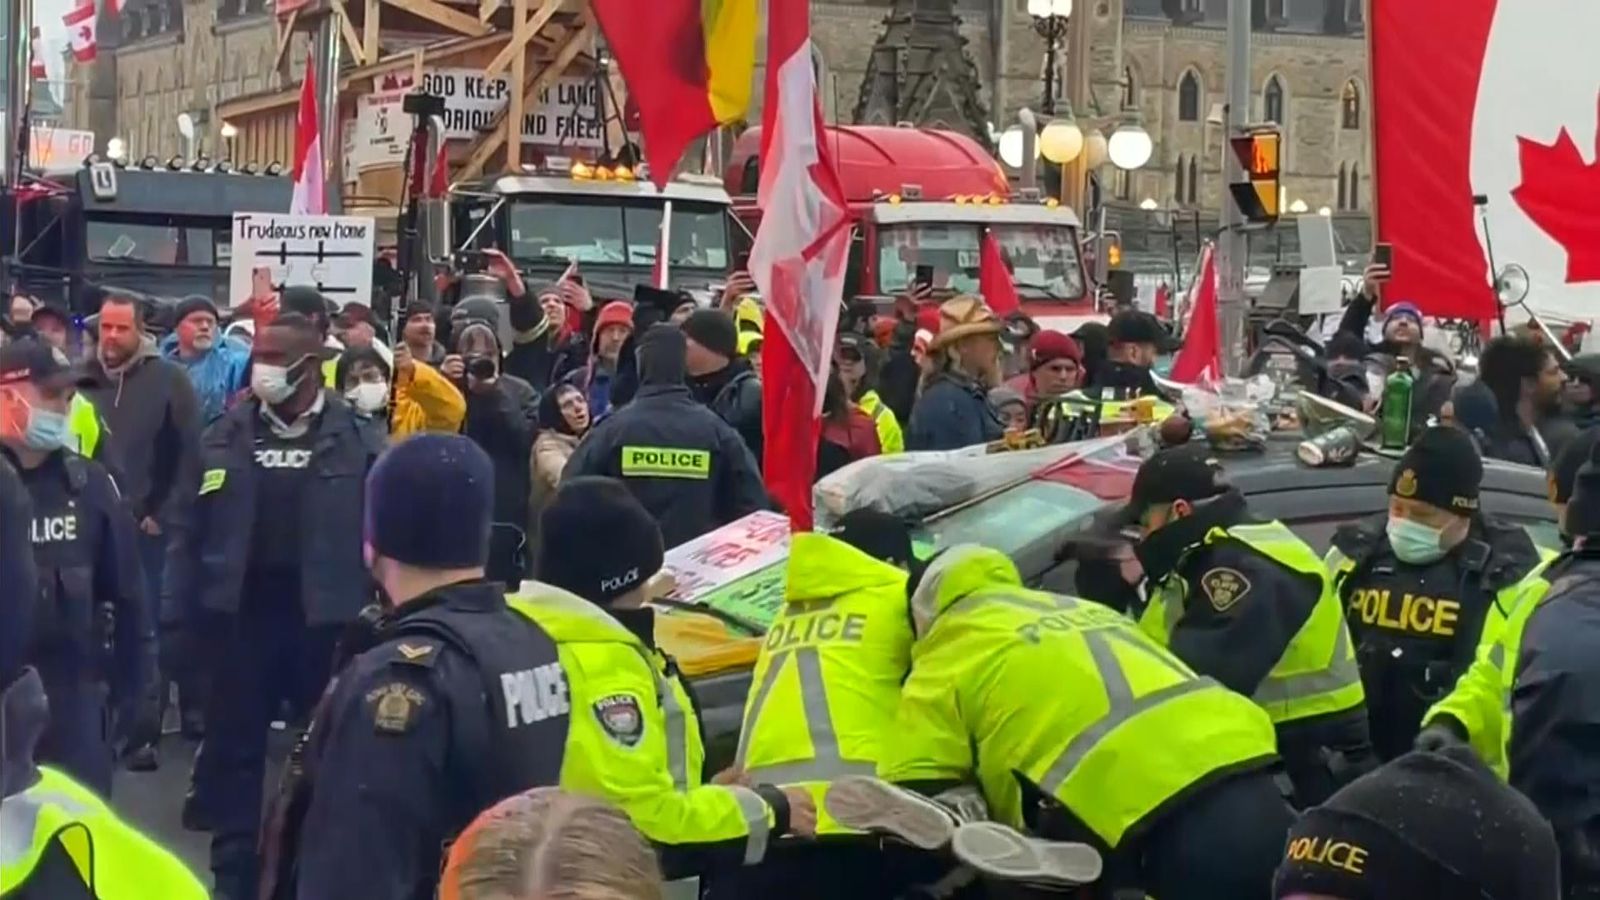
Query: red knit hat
{"x":928,"y":318}
{"x":617,"y":312}
{"x":1049,"y":346}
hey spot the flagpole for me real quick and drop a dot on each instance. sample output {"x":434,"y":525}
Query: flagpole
{"x":663,"y":257}
{"x":19,"y":71}
{"x":326,"y":47}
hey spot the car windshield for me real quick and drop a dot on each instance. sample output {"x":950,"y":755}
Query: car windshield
{"x":157,"y":244}
{"x":1015,"y":519}
{"x":561,"y":230}
{"x":1043,"y":258}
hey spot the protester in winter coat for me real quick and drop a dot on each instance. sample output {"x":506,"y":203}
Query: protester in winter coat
{"x":1526,"y":380}
{"x":1402,"y":334}
{"x":563,"y":421}
{"x":1055,"y":368}
{"x":719,"y":378}
{"x":501,"y":412}
{"x":417,"y":332}
{"x":424,"y":400}
{"x":953,"y":411}
{"x":857,"y":360}
{"x":548,"y":340}
{"x":218,"y":368}
{"x":1581,"y":399}
{"x":848,"y":433}
{"x":612,"y":329}
{"x":1009,"y":405}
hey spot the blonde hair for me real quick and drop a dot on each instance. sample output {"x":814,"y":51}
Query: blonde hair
{"x":551,"y":845}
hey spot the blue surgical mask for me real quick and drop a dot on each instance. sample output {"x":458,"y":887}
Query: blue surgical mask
{"x":46,"y":430}
{"x":1414,"y":542}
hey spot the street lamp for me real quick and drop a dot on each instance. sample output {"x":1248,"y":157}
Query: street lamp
{"x":1298,"y":207}
{"x":1130,"y":147}
{"x":1061,"y":141}
{"x":1095,"y":149}
{"x":229,"y":132}
{"x":1011,"y":145}
{"x":1149,"y":204}
{"x":1324,"y":211}
{"x":117,"y":148}
{"x":1050,"y":21}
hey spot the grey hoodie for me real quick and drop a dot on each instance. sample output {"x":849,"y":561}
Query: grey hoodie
{"x":154,"y":426}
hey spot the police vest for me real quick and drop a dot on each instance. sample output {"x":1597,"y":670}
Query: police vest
{"x":63,"y":538}
{"x":1419,"y":622}
{"x":1135,"y":708}
{"x":113,"y":859}
{"x":83,"y":425}
{"x":824,"y":694}
{"x":518,"y":744}
{"x":665,"y":462}
{"x":1317,"y":673}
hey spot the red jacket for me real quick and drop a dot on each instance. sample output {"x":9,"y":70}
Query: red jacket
{"x":857,"y":435}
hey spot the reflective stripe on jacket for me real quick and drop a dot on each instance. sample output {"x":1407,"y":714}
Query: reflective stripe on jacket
{"x":827,"y":683}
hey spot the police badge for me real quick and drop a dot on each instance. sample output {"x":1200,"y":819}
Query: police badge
{"x":1406,"y":484}
{"x":620,"y":717}
{"x":1224,"y":587}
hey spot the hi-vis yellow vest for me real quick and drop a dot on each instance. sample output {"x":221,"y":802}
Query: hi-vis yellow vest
{"x":83,"y":424}
{"x":1317,"y":673}
{"x":115,"y":861}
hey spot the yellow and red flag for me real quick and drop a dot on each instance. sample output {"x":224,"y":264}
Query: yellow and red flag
{"x":688,"y":65}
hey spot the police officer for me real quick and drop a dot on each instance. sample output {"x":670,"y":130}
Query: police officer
{"x":91,"y":597}
{"x":1251,"y":605}
{"x":823,"y":698}
{"x":1078,"y":727}
{"x":269,"y":554}
{"x":1417,"y":582}
{"x":18,"y":571}
{"x":689,"y":468}
{"x":460,"y":703}
{"x":634,"y":738}
{"x":61,"y":841}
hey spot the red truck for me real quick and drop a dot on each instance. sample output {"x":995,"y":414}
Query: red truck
{"x":924,"y":198}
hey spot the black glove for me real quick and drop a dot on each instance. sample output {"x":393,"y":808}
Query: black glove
{"x":1442,"y":732}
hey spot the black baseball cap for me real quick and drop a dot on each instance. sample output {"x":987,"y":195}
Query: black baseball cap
{"x":46,"y":311}
{"x":43,"y":364}
{"x":1188,"y":472}
{"x":852,"y":345}
{"x":1133,"y":326}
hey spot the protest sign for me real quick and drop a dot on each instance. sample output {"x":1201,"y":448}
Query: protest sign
{"x":565,"y":114}
{"x":715,"y":569}
{"x":272,"y":251}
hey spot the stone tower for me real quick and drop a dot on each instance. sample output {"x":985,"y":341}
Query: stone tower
{"x":919,"y":72}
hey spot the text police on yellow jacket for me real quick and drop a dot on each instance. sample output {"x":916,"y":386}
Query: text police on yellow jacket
{"x":1078,"y":726}
{"x":1252,"y":606}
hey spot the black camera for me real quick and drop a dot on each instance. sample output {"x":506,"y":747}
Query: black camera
{"x":481,"y":367}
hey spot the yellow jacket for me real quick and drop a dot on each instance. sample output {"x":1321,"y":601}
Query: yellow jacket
{"x":890,"y":437}
{"x":425,"y":400}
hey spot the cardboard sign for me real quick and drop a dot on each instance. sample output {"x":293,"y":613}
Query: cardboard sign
{"x":378,"y":134}
{"x":272,"y":251}
{"x":712,"y":569}
{"x":565,"y":114}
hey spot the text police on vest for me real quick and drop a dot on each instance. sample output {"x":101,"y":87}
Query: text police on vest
{"x":51,"y":529}
{"x":283,"y":459}
{"x":533,"y":695}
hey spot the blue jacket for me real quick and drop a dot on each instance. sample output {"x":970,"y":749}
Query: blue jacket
{"x":952,"y":413}
{"x":208,"y":547}
{"x":222,"y":372}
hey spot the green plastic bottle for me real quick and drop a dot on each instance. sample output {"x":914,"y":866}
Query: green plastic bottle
{"x":1396,"y":430}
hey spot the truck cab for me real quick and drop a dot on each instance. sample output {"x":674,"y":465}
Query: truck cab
{"x":165,"y":232}
{"x":928,"y":198}
{"x":607,"y":220}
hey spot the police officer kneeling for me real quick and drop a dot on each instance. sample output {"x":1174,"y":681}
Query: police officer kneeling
{"x":1418,"y":582}
{"x":88,"y":576}
{"x":1251,"y":605}
{"x":461,"y":702}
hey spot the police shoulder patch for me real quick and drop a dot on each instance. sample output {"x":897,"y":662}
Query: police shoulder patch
{"x":1224,"y":587}
{"x":395,"y":707}
{"x":212,"y":481}
{"x":621,"y":718}
{"x":416,"y":652}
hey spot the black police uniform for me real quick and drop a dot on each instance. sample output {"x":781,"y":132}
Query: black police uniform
{"x":18,"y":572}
{"x":421,"y":733}
{"x":94,"y":642}
{"x":270,"y":552}
{"x":1416,"y":627}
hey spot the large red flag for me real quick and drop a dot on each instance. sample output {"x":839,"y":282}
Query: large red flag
{"x":688,"y":65}
{"x":1201,"y":354}
{"x":994,"y":278}
{"x":310,"y":197}
{"x":798,"y":259}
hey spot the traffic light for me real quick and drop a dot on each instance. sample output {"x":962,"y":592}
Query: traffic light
{"x":1259,"y":193}
{"x":1113,"y":252}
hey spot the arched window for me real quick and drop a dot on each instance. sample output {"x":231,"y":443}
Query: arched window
{"x":1178,"y":194}
{"x":1355,"y":187}
{"x":1194,"y":179}
{"x":1189,"y":97}
{"x":1130,"y":92}
{"x":1343,"y":186}
{"x":1350,"y":106}
{"x":1272,"y":101}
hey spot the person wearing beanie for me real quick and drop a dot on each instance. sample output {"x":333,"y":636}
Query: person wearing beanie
{"x":265,"y":562}
{"x":217,"y":367}
{"x":635,"y":740}
{"x":418,"y":331}
{"x":1418,"y":582}
{"x":688,"y":467}
{"x":409,"y":745}
{"x":720,"y":378}
{"x":1135,"y":340}
{"x":1249,"y":603}
{"x":1427,"y":826}
{"x":953,"y":410}
{"x":612,"y":329}
{"x":548,"y":336}
{"x":857,"y":360}
{"x":1401,"y":335}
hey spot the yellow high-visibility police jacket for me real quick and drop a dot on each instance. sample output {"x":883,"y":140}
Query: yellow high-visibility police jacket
{"x":83,"y":424}
{"x":1317,"y":673}
{"x":890,"y":438}
{"x":1481,"y":700}
{"x":114,"y":860}
{"x":827,"y":680}
{"x":634,"y":739}
{"x":1065,"y":692}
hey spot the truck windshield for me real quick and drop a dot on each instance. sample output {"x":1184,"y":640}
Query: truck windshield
{"x":157,"y":244}
{"x":1043,"y":258}
{"x":557,"y":230}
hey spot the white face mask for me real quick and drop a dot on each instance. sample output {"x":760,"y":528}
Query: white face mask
{"x":369,"y":396}
{"x":271,"y":383}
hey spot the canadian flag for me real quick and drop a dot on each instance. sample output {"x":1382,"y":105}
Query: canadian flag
{"x":36,"y":55}
{"x":80,"y":22}
{"x":1496,"y":99}
{"x":309,"y":197}
{"x":1200,"y":357}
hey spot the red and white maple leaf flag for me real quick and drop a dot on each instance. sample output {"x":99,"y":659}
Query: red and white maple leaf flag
{"x":80,"y":22}
{"x":36,"y":55}
{"x":995,"y":283}
{"x":309,"y":196}
{"x":1201,"y":354}
{"x":1488,"y":98}
{"x":798,"y":259}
